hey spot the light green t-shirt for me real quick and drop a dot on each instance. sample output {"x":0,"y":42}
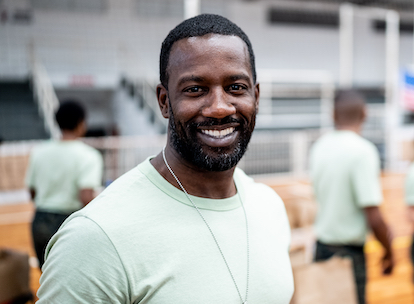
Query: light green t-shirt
{"x":141,"y":241}
{"x":409,"y":186}
{"x":345,"y":173}
{"x":58,"y":170}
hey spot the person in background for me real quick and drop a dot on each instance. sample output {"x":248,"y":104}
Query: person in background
{"x":185,"y":226}
{"x":345,"y":174}
{"x":409,"y":200}
{"x":62,"y":175}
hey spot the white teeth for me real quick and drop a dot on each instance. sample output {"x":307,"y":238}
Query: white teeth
{"x":217,"y":133}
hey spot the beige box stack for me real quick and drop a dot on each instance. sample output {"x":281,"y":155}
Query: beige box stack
{"x":13,"y":172}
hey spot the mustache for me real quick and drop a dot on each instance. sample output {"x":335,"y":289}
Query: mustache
{"x":208,"y":122}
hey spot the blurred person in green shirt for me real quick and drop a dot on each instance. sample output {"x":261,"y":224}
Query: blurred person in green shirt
{"x":62,"y":175}
{"x":345,"y":173}
{"x":409,"y":199}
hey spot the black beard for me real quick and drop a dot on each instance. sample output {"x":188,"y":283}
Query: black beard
{"x":185,"y":141}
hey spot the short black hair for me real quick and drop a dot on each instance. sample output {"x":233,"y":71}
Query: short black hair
{"x":349,"y":105}
{"x":344,"y":95}
{"x":70,"y":114}
{"x":199,"y":26}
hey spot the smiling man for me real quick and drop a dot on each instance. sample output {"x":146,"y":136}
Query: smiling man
{"x":184,"y":226}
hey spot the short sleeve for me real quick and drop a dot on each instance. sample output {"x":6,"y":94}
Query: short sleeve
{"x":90,"y":174}
{"x":366,"y":179}
{"x":409,"y":187}
{"x":82,"y":266}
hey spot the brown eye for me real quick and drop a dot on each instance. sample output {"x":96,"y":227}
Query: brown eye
{"x":236,"y":87}
{"x":193,"y":90}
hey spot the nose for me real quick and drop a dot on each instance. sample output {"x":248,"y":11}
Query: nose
{"x":219,"y":104}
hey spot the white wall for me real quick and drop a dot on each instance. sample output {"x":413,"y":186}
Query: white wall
{"x":101,"y":46}
{"x":285,"y":46}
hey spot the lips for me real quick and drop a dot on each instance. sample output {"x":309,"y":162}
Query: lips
{"x":218,"y":133}
{"x":218,"y":137}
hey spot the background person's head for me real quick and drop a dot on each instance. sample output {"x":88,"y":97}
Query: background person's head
{"x":349,"y":110}
{"x":71,"y":117}
{"x":196,"y":27}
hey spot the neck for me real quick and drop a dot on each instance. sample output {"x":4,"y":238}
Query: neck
{"x":354,"y":128}
{"x":68,"y":135}
{"x":197,"y":182}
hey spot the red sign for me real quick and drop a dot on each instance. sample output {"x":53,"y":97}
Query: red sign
{"x":87,"y":81}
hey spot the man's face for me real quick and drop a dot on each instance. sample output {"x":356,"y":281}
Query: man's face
{"x":212,"y":100}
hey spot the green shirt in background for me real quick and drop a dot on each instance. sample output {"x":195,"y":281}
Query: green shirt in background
{"x":345,"y":173}
{"x":409,"y":186}
{"x":58,"y":170}
{"x":141,"y":241}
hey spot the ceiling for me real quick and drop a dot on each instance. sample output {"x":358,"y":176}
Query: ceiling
{"x":400,"y":5}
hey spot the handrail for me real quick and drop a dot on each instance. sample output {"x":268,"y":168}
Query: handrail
{"x":44,"y":95}
{"x":144,"y":90}
{"x":149,"y":97}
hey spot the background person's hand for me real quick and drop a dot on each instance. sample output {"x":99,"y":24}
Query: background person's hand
{"x":387,"y":263}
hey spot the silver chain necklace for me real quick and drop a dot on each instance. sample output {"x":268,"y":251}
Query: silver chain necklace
{"x":213,"y":235}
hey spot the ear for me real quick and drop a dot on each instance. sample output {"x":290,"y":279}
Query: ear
{"x":363,"y":114}
{"x":81,"y":129}
{"x":257,"y":96}
{"x":163,"y":103}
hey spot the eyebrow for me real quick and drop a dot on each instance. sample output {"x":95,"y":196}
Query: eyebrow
{"x":240,"y":76}
{"x":190,"y":78}
{"x":201,"y":79}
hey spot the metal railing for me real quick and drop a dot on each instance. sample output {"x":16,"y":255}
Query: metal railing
{"x":269,"y":153}
{"x":45,"y":95}
{"x":145,"y":91}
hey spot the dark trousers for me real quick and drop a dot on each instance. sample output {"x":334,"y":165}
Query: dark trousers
{"x":356,"y":253}
{"x":44,"y":226}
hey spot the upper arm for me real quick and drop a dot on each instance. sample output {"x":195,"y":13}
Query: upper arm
{"x":409,"y":187}
{"x":82,"y":266}
{"x":373,"y":216}
{"x":32,"y":192}
{"x":86,"y":195}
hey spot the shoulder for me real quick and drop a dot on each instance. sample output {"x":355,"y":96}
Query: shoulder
{"x":366,"y":149}
{"x":266,"y":209}
{"x":258,"y":191}
{"x":324,"y":138}
{"x":320,"y":144}
{"x":126,"y":193}
{"x":86,"y":152}
{"x":86,"y":148}
{"x":410,"y":172}
{"x":79,"y":260}
{"x":42,"y":151}
{"x":43,"y":146}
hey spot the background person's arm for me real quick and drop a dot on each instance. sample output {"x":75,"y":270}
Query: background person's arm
{"x":409,"y":193}
{"x":86,"y":195}
{"x":383,"y":235}
{"x":411,"y":214}
{"x":32,"y":192}
{"x":90,"y":177}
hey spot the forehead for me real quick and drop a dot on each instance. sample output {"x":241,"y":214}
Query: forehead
{"x":212,"y":50}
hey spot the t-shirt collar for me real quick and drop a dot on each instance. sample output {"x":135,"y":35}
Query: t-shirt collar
{"x":224,"y":204}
